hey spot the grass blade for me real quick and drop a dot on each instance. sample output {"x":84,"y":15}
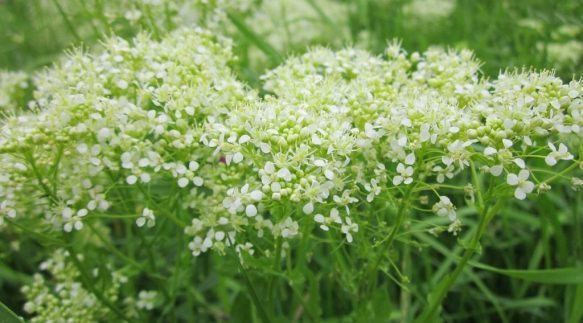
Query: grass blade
{"x":8,"y":316}
{"x":544,"y":276}
{"x":264,"y":46}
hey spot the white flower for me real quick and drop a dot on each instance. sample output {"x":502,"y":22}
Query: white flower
{"x":326,"y":221}
{"x":260,"y":224}
{"x":147,"y":217}
{"x":349,"y":227}
{"x":71,"y":220}
{"x":442,"y":173}
{"x":247,"y":247}
{"x":285,"y":174}
{"x":523,"y":186}
{"x":146,"y":300}
{"x":288,"y":228}
{"x":445,"y":208}
{"x":555,"y":155}
{"x":405,"y":176}
{"x":198,"y":245}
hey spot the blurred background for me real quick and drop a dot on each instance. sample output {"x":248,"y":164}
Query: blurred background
{"x":502,"y":33}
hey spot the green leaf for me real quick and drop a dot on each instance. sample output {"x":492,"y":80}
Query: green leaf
{"x":544,"y":276}
{"x":576,"y":314}
{"x":7,"y":316}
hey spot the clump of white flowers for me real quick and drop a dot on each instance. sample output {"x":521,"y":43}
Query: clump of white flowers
{"x":59,"y":295}
{"x":161,"y":131}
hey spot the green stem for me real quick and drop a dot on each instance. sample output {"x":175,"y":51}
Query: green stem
{"x":89,"y":285}
{"x":486,"y":214}
{"x":401,"y":215}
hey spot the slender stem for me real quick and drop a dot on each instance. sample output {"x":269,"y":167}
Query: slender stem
{"x":262,"y":313}
{"x":486,"y":214}
{"x":89,"y":285}
{"x":400,"y":219}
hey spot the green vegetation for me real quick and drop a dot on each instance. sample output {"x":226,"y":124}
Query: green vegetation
{"x":291,"y":161}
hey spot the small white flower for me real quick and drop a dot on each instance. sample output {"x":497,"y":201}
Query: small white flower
{"x":326,"y":221}
{"x":445,"y":208}
{"x":146,"y":300}
{"x":348,"y":228}
{"x":405,"y":175}
{"x":147,"y":217}
{"x":523,"y":186}
{"x":442,"y":173}
{"x":557,"y":154}
{"x":285,"y":174}
{"x":288,"y":228}
{"x":73,"y":221}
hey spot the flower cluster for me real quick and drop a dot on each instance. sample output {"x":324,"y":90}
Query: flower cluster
{"x":128,"y":116}
{"x":163,"y":130}
{"x":61,"y":297}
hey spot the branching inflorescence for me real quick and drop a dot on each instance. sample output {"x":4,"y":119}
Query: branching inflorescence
{"x":150,"y":129}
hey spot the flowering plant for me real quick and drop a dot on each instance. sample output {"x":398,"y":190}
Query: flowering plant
{"x":162,"y":183}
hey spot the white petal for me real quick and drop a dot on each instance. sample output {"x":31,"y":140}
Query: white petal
{"x":275,"y":187}
{"x":78,"y":225}
{"x":410,"y":159}
{"x":397,"y":180}
{"x":523,"y":174}
{"x":244,"y":138}
{"x":527,"y":187}
{"x":512,"y":179}
{"x":329,"y":174}
{"x":251,"y":210}
{"x":285,"y":174}
{"x":519,"y":162}
{"x":489,"y":151}
{"x":198,"y":181}
{"x":182,"y":182}
{"x":319,"y":218}
{"x":256,"y":195}
{"x":308,"y":208}
{"x":519,"y":194}
{"x":132,"y":179}
{"x":550,"y":160}
{"x":496,"y":170}
{"x":237,"y":158}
